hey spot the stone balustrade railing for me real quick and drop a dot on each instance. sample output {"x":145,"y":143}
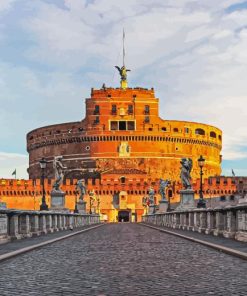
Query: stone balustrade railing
{"x":230,"y":222}
{"x":15,"y":224}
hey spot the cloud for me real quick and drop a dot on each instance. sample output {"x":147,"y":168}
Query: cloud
{"x":11,"y":161}
{"x":6,"y":4}
{"x":192,"y":52}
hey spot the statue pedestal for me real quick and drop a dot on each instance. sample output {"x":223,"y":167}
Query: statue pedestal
{"x":187,"y":201}
{"x":151,"y":209}
{"x":243,"y":201}
{"x":81,"y":207}
{"x":58,"y":200}
{"x":163,"y":206}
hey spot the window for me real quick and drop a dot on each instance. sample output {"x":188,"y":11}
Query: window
{"x":163,"y":129}
{"x":186,"y":130}
{"x":122,"y":125}
{"x":130,"y":109}
{"x":114,"y":125}
{"x":146,"y":109}
{"x":114,"y":109}
{"x":146,"y":119}
{"x":122,"y":180}
{"x":212,"y":134}
{"x":96,"y":121}
{"x":223,"y":198}
{"x":219,"y":137}
{"x":96,"y":110}
{"x":131,"y":125}
{"x":199,"y":131}
{"x":175,"y":130}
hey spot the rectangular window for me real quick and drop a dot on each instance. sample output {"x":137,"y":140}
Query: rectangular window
{"x":122,"y":125}
{"x":146,"y":119}
{"x":130,"y":109}
{"x":114,"y":109}
{"x":96,"y":110}
{"x":131,"y":125}
{"x":96,"y":121}
{"x":186,"y":130}
{"x":114,"y":125}
{"x":146,"y":109}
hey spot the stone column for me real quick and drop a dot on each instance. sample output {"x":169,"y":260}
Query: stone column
{"x":42,"y":224}
{"x":54,"y":223}
{"x":24,"y":225}
{"x":230,"y":229}
{"x":196,"y":220}
{"x":219,"y":225}
{"x":34,"y":222}
{"x":203,"y":221}
{"x":3,"y":228}
{"x":241,"y":233}
{"x":49,"y":227}
{"x":59,"y":222}
{"x":14,"y":227}
{"x":190,"y":224}
{"x":210,"y":222}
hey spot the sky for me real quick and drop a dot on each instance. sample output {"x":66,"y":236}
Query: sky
{"x":194,"y":54}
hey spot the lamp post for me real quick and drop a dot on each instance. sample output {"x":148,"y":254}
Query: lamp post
{"x":76,"y":209}
{"x":43,"y":163}
{"x":91,"y":194}
{"x":201,"y":202}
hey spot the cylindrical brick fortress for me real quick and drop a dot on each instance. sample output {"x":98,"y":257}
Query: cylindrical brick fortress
{"x":122,"y":129}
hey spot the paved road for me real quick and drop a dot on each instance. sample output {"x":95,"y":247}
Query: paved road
{"x":124,"y":259}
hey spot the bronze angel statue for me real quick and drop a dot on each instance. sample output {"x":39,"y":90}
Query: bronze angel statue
{"x":185,"y":172}
{"x":123,"y":72}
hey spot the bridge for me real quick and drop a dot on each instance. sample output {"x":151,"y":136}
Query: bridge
{"x":51,"y":253}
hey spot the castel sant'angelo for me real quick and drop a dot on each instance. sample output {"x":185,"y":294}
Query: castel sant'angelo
{"x":122,"y":147}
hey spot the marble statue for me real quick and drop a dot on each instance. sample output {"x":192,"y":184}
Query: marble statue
{"x":185,"y":172}
{"x":151,"y":196}
{"x":80,"y":186}
{"x":162,"y":188}
{"x":59,"y":172}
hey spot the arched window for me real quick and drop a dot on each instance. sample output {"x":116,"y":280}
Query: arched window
{"x":175,"y":130}
{"x":200,"y":131}
{"x":212,"y":134}
{"x":122,"y":180}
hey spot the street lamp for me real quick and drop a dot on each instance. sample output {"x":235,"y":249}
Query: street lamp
{"x":43,"y":163}
{"x":76,"y":209}
{"x":91,"y":199}
{"x":201,"y":202}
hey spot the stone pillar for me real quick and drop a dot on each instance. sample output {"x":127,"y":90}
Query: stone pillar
{"x":196,"y":220}
{"x":59,"y":222}
{"x":49,"y":227}
{"x":219,"y":225}
{"x":163,"y":206}
{"x":54,"y":223}
{"x":42,"y":224}
{"x":203,"y":221}
{"x":190,"y":224}
{"x":230,"y":229}
{"x":210,"y":222}
{"x":241,"y":233}
{"x":34,"y":222}
{"x":24,"y":225}
{"x":3,"y":228}
{"x":14,"y":227}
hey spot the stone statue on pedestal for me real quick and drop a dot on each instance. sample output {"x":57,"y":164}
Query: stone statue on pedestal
{"x":185,"y":172}
{"x":151,"y":196}
{"x":162,"y":188}
{"x":59,"y":174}
{"x":80,"y":185}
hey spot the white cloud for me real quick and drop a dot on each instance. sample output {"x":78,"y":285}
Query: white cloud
{"x":192,"y":52}
{"x":6,"y":4}
{"x":11,"y":161}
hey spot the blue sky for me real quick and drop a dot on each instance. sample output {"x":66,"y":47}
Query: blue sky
{"x":192,"y":52}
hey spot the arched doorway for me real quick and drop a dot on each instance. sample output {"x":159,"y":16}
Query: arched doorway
{"x":124,"y":216}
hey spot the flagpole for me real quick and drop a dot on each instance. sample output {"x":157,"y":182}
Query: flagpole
{"x":123,"y":48}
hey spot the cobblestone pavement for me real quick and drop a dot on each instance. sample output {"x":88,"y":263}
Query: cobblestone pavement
{"x":124,"y":259}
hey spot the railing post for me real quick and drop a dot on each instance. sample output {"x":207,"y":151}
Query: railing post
{"x":34,"y":222}
{"x":210,"y":222}
{"x":241,"y":233}
{"x":42,"y":224}
{"x":219,"y":223}
{"x":203,"y":221}
{"x":230,"y":224}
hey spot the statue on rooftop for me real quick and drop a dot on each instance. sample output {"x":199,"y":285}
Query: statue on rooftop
{"x":123,"y":72}
{"x":185,"y":172}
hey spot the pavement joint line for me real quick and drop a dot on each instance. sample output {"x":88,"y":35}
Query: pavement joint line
{"x":9,"y":255}
{"x":221,"y":248}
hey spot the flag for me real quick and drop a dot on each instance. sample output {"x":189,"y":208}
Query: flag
{"x":233,"y":174}
{"x":14,"y":173}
